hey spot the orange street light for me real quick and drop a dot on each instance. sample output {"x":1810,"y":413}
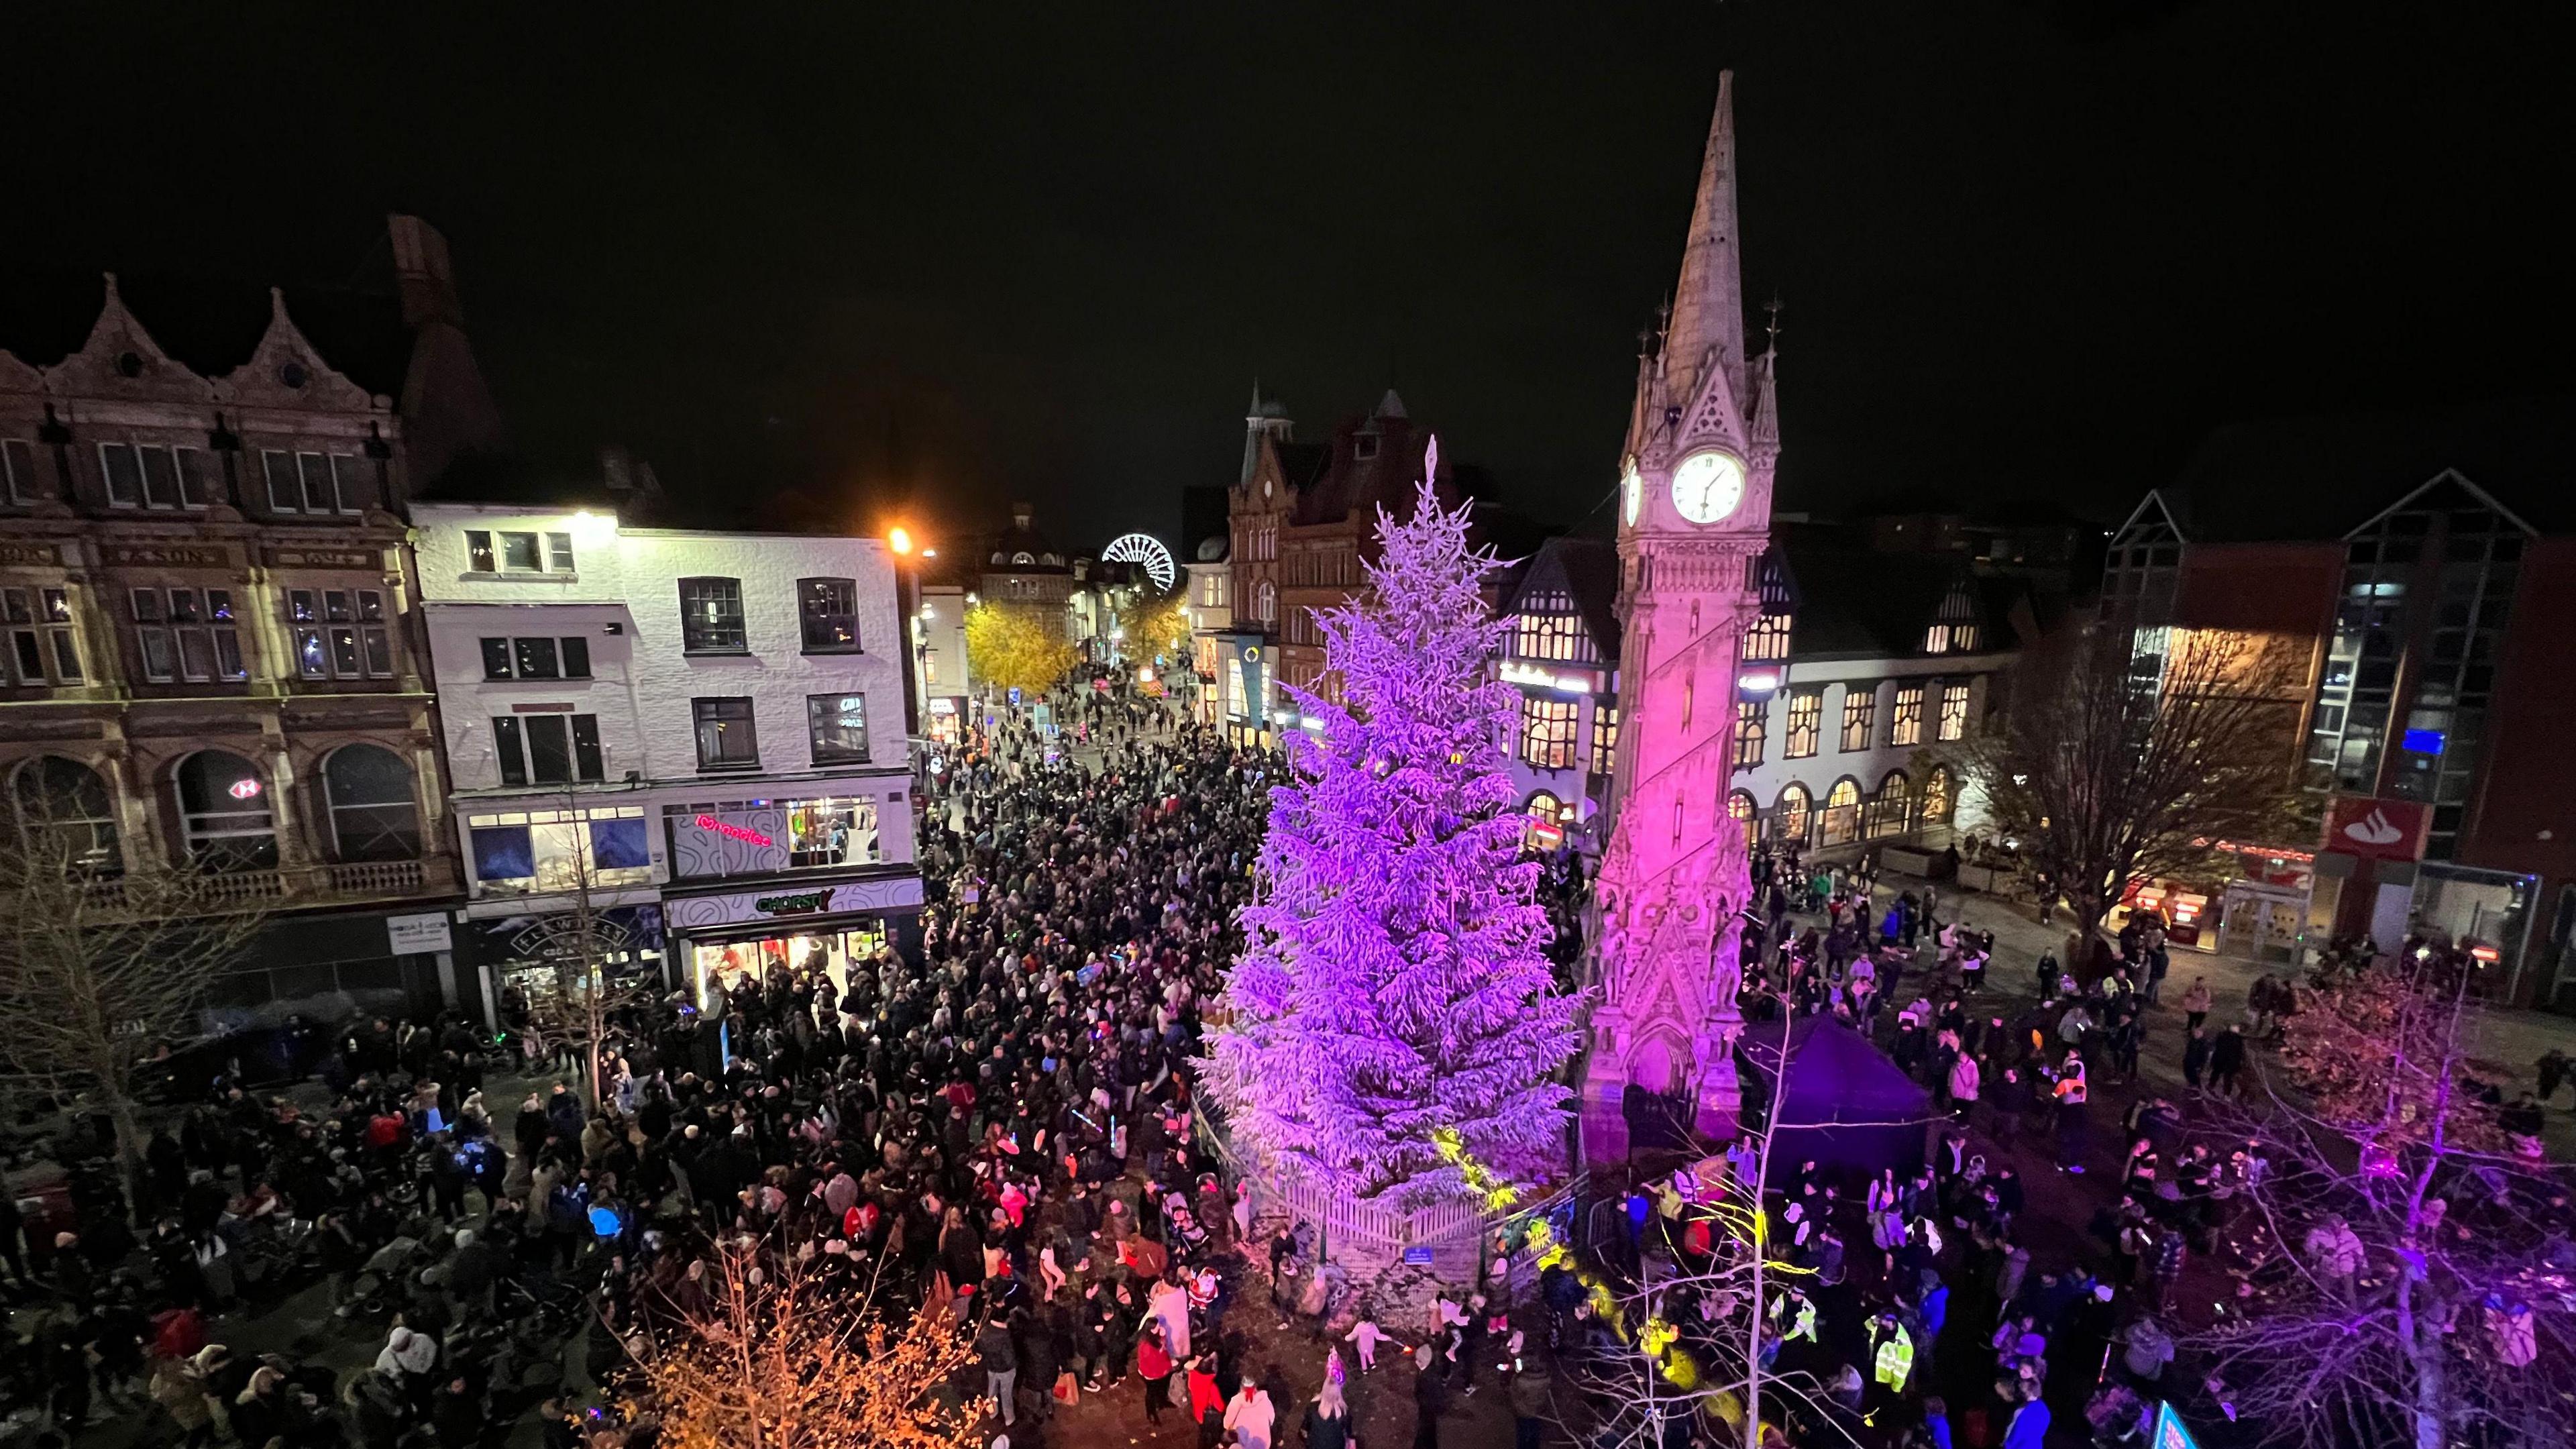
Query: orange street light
{"x":899,"y":539}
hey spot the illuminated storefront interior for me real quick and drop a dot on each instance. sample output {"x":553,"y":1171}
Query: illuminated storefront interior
{"x":724,"y":965}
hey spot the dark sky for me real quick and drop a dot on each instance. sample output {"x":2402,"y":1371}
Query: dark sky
{"x":2027,"y":250}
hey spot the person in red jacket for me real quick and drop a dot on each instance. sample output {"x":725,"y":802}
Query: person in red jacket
{"x":1154,"y":1366}
{"x":1207,"y":1406}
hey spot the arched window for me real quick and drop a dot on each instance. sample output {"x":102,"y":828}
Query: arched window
{"x":368,"y":792}
{"x":1842,"y":813}
{"x":1936,"y":795}
{"x":224,"y":813}
{"x":1792,"y":813}
{"x":1888,"y":814}
{"x":65,"y":812}
{"x":1266,"y":608}
{"x":1741,"y":809}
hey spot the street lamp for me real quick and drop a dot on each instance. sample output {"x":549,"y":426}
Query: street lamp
{"x":907,"y":603}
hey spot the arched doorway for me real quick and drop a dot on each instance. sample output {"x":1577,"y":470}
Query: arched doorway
{"x":1891,"y":813}
{"x":1841,"y":825}
{"x":1741,"y":809}
{"x":1791,"y":817}
{"x":1548,"y":817}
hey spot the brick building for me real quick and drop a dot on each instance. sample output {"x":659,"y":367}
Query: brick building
{"x":2414,"y":572}
{"x":1303,"y":525}
{"x":213,"y":660}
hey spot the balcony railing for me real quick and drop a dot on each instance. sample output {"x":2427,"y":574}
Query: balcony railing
{"x":305,"y":886}
{"x":376,"y":878}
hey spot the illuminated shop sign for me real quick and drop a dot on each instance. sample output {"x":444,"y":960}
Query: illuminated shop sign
{"x":1517,"y":671}
{"x":731,"y":831}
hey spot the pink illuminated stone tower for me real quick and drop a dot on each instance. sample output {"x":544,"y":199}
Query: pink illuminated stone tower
{"x":1694,"y":518}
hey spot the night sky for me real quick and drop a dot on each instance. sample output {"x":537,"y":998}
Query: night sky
{"x":2026,"y":251}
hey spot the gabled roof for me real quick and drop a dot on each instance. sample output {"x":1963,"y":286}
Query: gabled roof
{"x":1585,"y":570}
{"x":1348,"y":483}
{"x":210,"y":326}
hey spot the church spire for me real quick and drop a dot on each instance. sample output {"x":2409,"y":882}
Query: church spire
{"x":1708,"y":311}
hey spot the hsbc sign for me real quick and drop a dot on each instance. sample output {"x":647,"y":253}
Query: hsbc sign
{"x":2378,"y":829}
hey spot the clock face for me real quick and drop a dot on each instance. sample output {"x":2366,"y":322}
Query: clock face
{"x":1708,"y":485}
{"x":1634,"y":485}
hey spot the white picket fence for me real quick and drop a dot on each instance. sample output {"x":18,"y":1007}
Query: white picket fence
{"x":1368,"y":1238}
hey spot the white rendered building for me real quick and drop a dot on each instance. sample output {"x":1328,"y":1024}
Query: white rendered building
{"x":702,"y":730}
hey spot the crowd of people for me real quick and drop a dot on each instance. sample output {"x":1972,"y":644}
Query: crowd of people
{"x":996,"y":1125}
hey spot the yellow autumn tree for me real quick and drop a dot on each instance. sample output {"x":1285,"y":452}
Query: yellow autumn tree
{"x":775,"y":1359}
{"x":1009,"y":646}
{"x":1156,"y":623}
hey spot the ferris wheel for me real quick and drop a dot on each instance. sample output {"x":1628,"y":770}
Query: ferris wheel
{"x":1146,"y":549}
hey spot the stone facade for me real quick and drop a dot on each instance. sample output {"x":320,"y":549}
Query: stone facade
{"x":1695,"y":501}
{"x":213,"y":654}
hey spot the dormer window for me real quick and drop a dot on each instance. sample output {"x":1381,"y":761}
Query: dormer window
{"x":1364,"y":446}
{"x":1954,"y":628}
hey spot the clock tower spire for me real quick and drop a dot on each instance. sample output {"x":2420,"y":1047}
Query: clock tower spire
{"x":1694,"y":519}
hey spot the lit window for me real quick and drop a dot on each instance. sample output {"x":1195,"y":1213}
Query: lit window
{"x":1806,"y":717}
{"x":1860,"y":710}
{"x":1768,"y":639}
{"x":1547,"y":733}
{"x":339,"y":633}
{"x":1605,"y":738}
{"x":1905,"y":721}
{"x":1739,"y":808}
{"x":1954,"y":712}
{"x":837,"y":725}
{"x":1748,"y":732}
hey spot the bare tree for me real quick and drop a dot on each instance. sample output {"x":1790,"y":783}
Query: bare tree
{"x":100,"y":970}
{"x":1701,"y":1344}
{"x":2127,"y":755}
{"x":2410,"y":1277}
{"x":782,"y":1357}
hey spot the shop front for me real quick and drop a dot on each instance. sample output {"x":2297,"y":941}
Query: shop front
{"x":1245,"y":687}
{"x":944,"y":719}
{"x":720,"y":940}
{"x":523,"y":951}
{"x":2184,"y":908}
{"x":2263,"y":909}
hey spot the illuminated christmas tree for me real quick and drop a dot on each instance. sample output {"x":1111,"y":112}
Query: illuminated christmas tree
{"x":1394,"y":1032}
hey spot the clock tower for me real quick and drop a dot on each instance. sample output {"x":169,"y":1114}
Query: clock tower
{"x":1694,"y":518}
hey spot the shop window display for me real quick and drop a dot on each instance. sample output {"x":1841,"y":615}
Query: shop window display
{"x":723,"y":966}
{"x":555,"y":850}
{"x":753,"y":837}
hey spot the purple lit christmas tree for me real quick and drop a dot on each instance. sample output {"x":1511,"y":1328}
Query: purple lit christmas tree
{"x":1394,"y":1032}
